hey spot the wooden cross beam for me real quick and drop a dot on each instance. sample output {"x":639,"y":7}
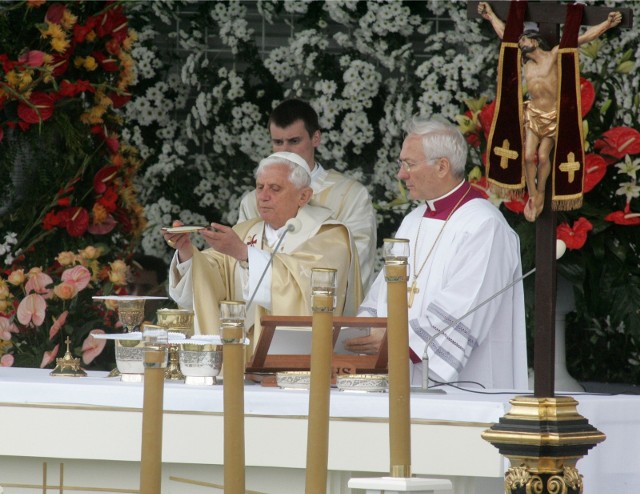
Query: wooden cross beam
{"x":549,"y":16}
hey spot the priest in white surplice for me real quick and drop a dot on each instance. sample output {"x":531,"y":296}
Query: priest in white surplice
{"x":462,"y":251}
{"x":231,"y":269}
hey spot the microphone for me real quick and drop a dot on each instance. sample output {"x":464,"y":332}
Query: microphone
{"x":561,"y":247}
{"x":293,"y":225}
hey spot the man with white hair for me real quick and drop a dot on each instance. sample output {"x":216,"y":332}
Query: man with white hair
{"x":231,"y":269}
{"x":462,"y":251}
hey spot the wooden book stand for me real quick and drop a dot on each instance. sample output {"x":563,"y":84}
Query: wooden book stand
{"x":263,"y":362}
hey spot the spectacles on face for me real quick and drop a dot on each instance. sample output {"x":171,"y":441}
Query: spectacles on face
{"x":408,"y":166}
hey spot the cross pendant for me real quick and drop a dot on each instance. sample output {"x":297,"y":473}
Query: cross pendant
{"x":412,"y":292}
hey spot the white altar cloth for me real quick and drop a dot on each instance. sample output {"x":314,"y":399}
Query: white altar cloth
{"x":612,"y":466}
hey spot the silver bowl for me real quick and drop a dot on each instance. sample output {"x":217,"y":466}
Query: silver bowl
{"x":365,"y":383}
{"x":293,"y":379}
{"x":200,"y":364}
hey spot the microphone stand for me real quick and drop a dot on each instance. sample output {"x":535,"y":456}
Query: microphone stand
{"x":425,"y":356}
{"x":290,"y":227}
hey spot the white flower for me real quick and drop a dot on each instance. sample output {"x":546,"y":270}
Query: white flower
{"x":628,"y":166}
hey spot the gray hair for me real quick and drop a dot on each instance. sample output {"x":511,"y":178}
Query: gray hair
{"x":441,"y":140}
{"x":298,"y":176}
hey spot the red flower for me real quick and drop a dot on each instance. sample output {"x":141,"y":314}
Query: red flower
{"x":108,"y":64}
{"x":618,"y":141}
{"x":104,"y":175}
{"x":623,"y":218}
{"x":596,"y":168}
{"x":42,"y":108}
{"x":576,"y":236}
{"x":485,"y":117}
{"x":119,"y":100}
{"x":587,"y":95}
{"x":517,"y":205}
{"x":55,"y":13}
{"x":75,"y":220}
{"x":109,"y":200}
{"x":51,"y":220}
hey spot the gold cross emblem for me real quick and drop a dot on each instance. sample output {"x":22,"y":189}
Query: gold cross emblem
{"x":571,"y":166}
{"x":505,"y":154}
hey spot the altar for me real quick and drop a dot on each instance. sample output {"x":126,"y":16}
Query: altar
{"x":83,"y":435}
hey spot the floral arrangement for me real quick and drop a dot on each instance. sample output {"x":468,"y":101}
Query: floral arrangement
{"x":65,"y":74}
{"x":65,"y":70}
{"x":41,"y":308}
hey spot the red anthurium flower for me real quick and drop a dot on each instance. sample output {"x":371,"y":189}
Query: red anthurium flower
{"x":574,"y":236}
{"x":596,"y":168}
{"x":75,"y":220}
{"x":623,"y":218}
{"x":119,"y":100}
{"x":587,"y":95}
{"x":43,"y":110}
{"x":108,"y":64}
{"x":618,"y":141}
{"x":104,"y":176}
{"x":517,"y":205}
{"x":485,"y":117}
{"x":60,"y":63}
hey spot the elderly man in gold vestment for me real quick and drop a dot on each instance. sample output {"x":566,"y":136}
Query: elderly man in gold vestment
{"x":238,"y":256}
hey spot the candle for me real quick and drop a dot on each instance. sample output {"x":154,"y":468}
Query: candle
{"x":396,"y":252}
{"x":155,"y":361}
{"x":323,"y":283}
{"x":232,"y":316}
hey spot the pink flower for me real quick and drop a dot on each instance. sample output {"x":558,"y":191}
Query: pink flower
{"x":79,"y":276}
{"x":6,"y":328}
{"x":32,"y":309}
{"x":49,"y":357}
{"x":6,"y":360}
{"x":92,"y":347}
{"x":38,"y":282}
{"x":57,"y":324}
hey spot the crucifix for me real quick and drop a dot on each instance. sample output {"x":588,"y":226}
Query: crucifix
{"x":548,"y":16}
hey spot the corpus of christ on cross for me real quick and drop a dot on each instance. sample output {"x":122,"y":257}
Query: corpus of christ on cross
{"x":548,"y":16}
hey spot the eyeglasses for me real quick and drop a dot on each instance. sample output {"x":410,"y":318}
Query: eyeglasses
{"x":406,"y":166}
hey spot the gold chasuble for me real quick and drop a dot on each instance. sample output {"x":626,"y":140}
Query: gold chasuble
{"x":504,"y":155}
{"x":321,"y":243}
{"x":568,"y":164}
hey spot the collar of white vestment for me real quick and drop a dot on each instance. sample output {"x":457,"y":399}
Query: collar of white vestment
{"x":441,"y":207}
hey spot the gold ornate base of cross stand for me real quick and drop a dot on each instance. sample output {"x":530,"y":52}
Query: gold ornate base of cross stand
{"x":543,"y":438}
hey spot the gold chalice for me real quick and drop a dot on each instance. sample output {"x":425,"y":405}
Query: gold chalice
{"x":181,"y":321}
{"x":131,"y":312}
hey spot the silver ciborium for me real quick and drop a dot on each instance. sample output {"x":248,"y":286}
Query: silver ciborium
{"x":201,"y":359}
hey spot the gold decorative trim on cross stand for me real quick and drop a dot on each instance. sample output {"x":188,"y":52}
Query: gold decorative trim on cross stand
{"x":543,"y":438}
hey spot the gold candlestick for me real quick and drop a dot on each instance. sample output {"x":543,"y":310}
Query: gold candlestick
{"x":232,"y":316}
{"x":155,"y":360}
{"x":323,"y":286}
{"x":396,"y":253}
